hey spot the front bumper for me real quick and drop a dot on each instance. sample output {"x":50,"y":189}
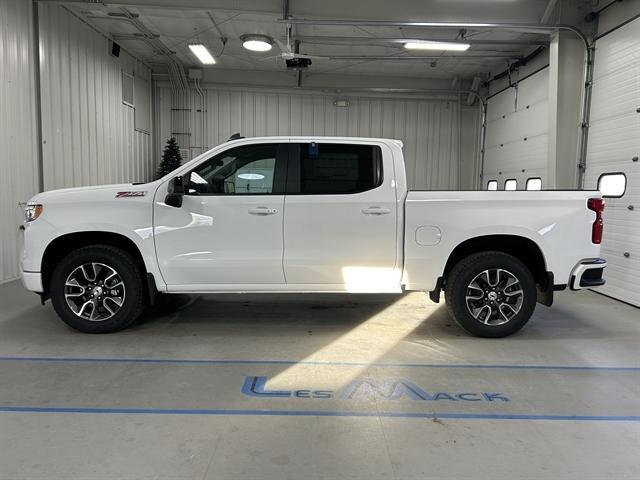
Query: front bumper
{"x":588,"y":274}
{"x":32,"y":281}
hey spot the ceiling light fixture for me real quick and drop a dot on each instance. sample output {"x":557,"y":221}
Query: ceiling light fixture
{"x":427,"y":45}
{"x":203,"y":54}
{"x":256,"y":42}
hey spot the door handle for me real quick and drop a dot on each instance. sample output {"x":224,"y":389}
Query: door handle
{"x":262,"y":211}
{"x":376,"y":211}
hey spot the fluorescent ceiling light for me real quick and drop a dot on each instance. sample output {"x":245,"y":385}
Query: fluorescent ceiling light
{"x":427,"y":45}
{"x":203,"y":54}
{"x":256,"y":42}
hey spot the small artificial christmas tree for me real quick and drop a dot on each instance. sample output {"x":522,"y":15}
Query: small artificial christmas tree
{"x":171,"y":158}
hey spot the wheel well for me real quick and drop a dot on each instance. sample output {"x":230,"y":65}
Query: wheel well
{"x":522,"y":248}
{"x":65,"y":244}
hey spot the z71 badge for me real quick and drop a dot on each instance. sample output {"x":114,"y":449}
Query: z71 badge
{"x":138,"y":193}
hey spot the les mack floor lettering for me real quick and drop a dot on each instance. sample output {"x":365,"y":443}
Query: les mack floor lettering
{"x":367,"y":389}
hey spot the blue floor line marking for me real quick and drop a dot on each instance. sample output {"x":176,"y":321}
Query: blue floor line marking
{"x":308,"y":362}
{"x":321,"y":413}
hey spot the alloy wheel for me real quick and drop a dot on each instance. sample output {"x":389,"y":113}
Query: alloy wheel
{"x":94,"y":291}
{"x":494,"y":296}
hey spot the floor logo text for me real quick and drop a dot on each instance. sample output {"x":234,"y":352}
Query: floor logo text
{"x":367,"y":389}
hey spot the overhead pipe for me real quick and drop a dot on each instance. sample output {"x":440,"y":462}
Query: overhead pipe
{"x":326,"y":39}
{"x":522,"y":27}
{"x":530,"y":27}
{"x":180,"y":84}
{"x":418,"y":57}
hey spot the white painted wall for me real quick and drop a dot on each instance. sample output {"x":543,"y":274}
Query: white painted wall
{"x":429,"y":128}
{"x":88,"y":133}
{"x":18,"y":160}
{"x":517,"y":132}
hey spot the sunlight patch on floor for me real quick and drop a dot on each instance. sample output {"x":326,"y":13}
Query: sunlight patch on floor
{"x":365,"y":344}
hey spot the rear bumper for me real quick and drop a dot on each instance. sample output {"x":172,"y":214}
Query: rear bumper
{"x":588,"y":274}
{"x":32,"y":281}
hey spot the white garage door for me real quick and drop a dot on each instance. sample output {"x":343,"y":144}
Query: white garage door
{"x":614,"y":147}
{"x":517,"y":134}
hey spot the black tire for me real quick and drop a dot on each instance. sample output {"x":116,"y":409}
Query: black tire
{"x":468,"y":275}
{"x":132,"y":295}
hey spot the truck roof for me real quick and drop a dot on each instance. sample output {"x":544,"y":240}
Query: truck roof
{"x":309,"y":138}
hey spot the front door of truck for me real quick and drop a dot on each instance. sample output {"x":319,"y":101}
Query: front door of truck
{"x":228,"y":232}
{"x":340,"y":224}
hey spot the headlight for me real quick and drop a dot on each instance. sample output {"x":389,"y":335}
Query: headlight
{"x":32,"y":212}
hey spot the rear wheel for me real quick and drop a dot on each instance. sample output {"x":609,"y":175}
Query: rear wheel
{"x":490,"y":294}
{"x":97,"y":289}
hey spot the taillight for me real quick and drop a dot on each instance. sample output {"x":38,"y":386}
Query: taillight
{"x":597,"y":205}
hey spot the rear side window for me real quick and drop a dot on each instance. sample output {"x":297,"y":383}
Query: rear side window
{"x":334,"y":168}
{"x":612,"y":185}
{"x":492,"y":185}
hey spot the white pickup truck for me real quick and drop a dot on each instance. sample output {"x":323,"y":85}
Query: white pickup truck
{"x":307,"y":214}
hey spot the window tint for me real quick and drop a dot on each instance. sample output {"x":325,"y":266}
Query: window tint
{"x":612,"y":184}
{"x":511,"y":184}
{"x":534,"y":183}
{"x":492,"y":185}
{"x":248,"y":170}
{"x":332,"y":168}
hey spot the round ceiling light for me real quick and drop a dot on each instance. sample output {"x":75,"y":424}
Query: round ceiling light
{"x":256,"y":42}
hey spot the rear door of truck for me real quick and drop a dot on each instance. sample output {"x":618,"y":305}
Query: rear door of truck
{"x":340,"y":217}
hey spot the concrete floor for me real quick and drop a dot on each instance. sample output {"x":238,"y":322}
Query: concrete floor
{"x":319,"y":387}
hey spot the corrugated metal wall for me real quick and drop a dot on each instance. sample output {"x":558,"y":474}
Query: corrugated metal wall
{"x":18,"y":160}
{"x":430,"y":129}
{"x":88,"y":133}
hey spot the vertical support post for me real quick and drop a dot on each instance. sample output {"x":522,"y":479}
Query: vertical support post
{"x":38,"y":94}
{"x":566,"y":107}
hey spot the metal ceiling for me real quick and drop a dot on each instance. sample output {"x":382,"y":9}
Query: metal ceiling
{"x":157,"y":31}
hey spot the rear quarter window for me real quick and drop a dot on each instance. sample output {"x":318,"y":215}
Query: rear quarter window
{"x":333,"y":168}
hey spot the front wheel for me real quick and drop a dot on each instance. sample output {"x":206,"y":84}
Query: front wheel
{"x":97,"y":289}
{"x":490,"y":294}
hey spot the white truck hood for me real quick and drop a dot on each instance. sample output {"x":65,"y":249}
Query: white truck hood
{"x":96,"y":193}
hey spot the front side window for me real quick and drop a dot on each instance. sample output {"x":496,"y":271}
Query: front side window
{"x":334,"y":168}
{"x":247,"y":170}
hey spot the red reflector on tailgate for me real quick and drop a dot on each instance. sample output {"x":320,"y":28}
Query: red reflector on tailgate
{"x":597,"y":205}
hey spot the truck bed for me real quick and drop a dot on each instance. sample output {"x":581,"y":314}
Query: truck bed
{"x":558,"y":221}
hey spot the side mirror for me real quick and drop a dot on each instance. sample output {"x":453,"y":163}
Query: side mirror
{"x":175,"y":192}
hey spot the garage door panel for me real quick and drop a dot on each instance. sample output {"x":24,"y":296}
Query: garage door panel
{"x":517,"y":155}
{"x":517,"y":174}
{"x":525,"y":123}
{"x":617,"y":51}
{"x":519,"y":141}
{"x":501,"y":104}
{"x":616,"y":94}
{"x":614,"y":139}
{"x":537,"y":89}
